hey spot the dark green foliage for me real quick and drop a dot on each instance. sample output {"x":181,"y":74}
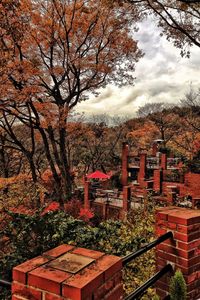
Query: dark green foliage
{"x":31,"y":235}
{"x":177,"y":287}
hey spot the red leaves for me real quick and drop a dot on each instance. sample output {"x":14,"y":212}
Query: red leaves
{"x":53,"y":206}
{"x":86,"y":214}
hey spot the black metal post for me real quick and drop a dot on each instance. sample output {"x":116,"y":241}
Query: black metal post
{"x":131,"y":256}
{"x":140,"y":291}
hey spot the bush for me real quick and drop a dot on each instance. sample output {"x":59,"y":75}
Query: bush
{"x":177,"y":287}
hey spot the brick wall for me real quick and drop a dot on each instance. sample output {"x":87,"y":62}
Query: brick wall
{"x":166,"y":184}
{"x":192,"y":185}
{"x":42,"y":278}
{"x":183,"y":251}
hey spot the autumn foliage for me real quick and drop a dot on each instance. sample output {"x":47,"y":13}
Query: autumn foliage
{"x":53,"y":54}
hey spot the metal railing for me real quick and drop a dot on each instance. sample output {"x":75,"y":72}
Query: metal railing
{"x":142,"y":289}
{"x":5,"y":283}
{"x":131,"y":256}
{"x":153,"y":162}
{"x":139,"y":292}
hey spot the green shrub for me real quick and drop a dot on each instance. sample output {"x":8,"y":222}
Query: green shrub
{"x":177,"y":287}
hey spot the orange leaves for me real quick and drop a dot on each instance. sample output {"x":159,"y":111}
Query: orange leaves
{"x":75,"y":41}
{"x":48,"y":114}
{"x":143,"y":135}
{"x":12,"y":180}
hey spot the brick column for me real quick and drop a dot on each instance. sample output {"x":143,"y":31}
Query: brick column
{"x":126,"y":198}
{"x":157,"y":181}
{"x":164,"y":161}
{"x":125,"y":151}
{"x":86,"y":194}
{"x":183,"y":251}
{"x":69,"y":273}
{"x":142,"y":171}
{"x":171,"y":194}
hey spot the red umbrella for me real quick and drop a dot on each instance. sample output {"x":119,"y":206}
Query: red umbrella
{"x":98,"y":175}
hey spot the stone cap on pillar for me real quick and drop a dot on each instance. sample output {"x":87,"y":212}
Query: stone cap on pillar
{"x":67,"y":272}
{"x":179,"y":215}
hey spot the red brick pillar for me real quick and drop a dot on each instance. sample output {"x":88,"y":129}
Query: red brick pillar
{"x":164,"y":161}
{"x":157,"y":181}
{"x":69,"y":273}
{"x":125,"y":151}
{"x":171,"y":194}
{"x":183,"y":251}
{"x":86,"y":194}
{"x":142,"y":171}
{"x":126,"y":198}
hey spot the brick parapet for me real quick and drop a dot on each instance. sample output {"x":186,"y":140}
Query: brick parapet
{"x":183,"y":251}
{"x":36,"y":279}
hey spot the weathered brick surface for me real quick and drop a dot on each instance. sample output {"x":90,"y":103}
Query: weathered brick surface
{"x":20,"y":272}
{"x":26,"y":291}
{"x":183,"y":251}
{"x":47,"y":279}
{"x":48,"y":296}
{"x":101,"y":279}
{"x":58,"y":250}
{"x":88,"y":253}
{"x":82,"y":285}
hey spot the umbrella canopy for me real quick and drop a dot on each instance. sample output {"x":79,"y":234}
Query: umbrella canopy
{"x":98,"y":175}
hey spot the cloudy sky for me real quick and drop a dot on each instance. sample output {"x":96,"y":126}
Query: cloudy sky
{"x":161,"y":75}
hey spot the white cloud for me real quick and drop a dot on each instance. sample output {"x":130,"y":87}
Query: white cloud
{"x":161,"y":75}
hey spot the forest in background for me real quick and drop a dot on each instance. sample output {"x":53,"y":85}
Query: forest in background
{"x":95,"y":145}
